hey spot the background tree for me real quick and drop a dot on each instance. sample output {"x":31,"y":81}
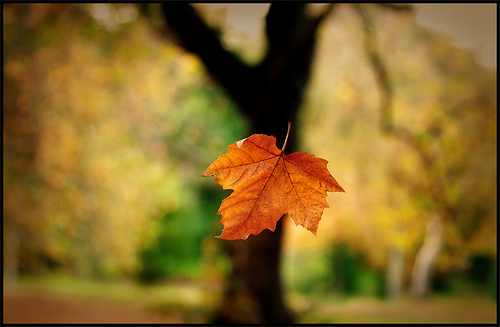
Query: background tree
{"x":416,"y":84}
{"x":98,"y":162}
{"x":427,"y":144}
{"x":67,"y":138}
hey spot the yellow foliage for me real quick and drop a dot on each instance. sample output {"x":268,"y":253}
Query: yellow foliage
{"x":93,"y":109}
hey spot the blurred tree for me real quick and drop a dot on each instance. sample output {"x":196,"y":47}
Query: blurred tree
{"x":269,"y":94}
{"x":446,"y":101}
{"x":96,"y":146}
{"x":443,"y":171}
{"x":76,"y":166}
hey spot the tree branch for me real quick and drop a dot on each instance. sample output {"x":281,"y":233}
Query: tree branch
{"x":434,"y":181}
{"x":200,"y":39}
{"x":288,"y":28}
{"x":386,"y":121}
{"x":284,"y":24}
{"x":284,"y":71}
{"x":286,"y":67}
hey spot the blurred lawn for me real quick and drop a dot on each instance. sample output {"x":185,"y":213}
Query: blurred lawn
{"x":371,"y":310}
{"x":176,"y":301}
{"x":66,"y":299}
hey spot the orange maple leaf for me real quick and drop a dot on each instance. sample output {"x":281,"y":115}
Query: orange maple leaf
{"x":268,"y":184}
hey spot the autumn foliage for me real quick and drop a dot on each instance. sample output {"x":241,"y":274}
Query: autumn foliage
{"x":267,"y":184}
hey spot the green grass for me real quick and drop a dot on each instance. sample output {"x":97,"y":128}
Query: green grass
{"x":195,"y":300}
{"x":66,"y":285}
{"x":191,"y":298}
{"x":466,"y":308}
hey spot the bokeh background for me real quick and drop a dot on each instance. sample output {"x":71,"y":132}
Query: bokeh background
{"x":108,"y":124}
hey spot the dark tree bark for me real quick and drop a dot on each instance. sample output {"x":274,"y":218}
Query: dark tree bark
{"x":269,"y":94}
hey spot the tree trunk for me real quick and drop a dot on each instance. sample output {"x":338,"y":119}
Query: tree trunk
{"x":424,"y":263}
{"x":394,"y":274}
{"x":270,"y":95}
{"x":254,"y":293}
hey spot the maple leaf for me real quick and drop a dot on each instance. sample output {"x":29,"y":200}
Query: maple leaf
{"x":267,"y":184}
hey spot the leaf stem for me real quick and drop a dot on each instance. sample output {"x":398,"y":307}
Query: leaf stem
{"x":286,"y":138}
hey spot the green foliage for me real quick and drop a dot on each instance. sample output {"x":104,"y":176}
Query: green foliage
{"x":178,"y":248}
{"x":484,"y":272}
{"x":351,"y":276}
{"x":337,"y":272}
{"x":346,"y":267}
{"x":307,"y":273}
